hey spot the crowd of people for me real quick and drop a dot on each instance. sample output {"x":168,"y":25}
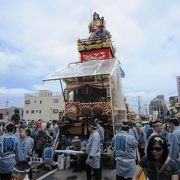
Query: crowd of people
{"x":20,"y":141}
{"x":153,"y":146}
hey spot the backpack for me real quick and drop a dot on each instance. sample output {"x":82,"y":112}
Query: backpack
{"x":40,"y":140}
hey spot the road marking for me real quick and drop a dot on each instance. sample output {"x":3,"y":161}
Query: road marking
{"x":47,"y":174}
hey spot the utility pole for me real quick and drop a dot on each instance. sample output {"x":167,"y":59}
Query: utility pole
{"x":146,"y":109}
{"x":6,"y":107}
{"x":139,"y":105}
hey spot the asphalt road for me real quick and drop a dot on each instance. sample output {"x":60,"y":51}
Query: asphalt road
{"x":107,"y":174}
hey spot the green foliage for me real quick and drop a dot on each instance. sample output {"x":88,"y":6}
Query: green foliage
{"x":173,"y":110}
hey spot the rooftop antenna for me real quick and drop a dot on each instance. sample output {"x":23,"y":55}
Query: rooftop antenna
{"x":90,"y":25}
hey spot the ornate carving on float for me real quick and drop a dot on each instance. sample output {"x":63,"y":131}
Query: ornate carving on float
{"x":77,"y":109}
{"x":86,"y":111}
{"x":72,"y":112}
{"x":97,"y":110}
{"x":100,"y":55}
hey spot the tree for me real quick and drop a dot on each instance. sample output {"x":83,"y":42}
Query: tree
{"x":173,"y":110}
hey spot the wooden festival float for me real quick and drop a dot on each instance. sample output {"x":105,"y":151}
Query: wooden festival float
{"x":93,"y":87}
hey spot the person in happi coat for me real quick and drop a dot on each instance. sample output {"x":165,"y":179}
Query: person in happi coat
{"x":93,"y":151}
{"x":125,"y":146}
{"x":10,"y":152}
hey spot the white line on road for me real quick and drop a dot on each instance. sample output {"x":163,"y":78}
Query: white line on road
{"x":47,"y":174}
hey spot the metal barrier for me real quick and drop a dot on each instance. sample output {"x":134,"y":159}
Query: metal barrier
{"x":36,"y":159}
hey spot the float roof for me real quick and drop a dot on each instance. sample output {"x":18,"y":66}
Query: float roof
{"x":89,"y":68}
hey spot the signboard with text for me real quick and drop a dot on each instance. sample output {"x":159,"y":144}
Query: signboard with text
{"x":96,"y":54}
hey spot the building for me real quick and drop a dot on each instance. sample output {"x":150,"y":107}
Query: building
{"x":7,"y":113}
{"x":44,"y":105}
{"x":157,"y":107}
{"x":178,"y":85}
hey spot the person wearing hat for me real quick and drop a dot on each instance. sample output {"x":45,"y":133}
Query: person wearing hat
{"x":174,"y":151}
{"x":77,"y":159}
{"x":10,"y":152}
{"x":157,"y":128}
{"x":21,"y":170}
{"x":76,"y":143}
{"x":93,"y":152}
{"x":125,"y":146}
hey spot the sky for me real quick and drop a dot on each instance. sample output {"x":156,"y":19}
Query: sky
{"x":38,"y":37}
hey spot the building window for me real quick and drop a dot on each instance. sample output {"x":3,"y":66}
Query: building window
{"x":39,"y":111}
{"x":55,"y":111}
{"x":36,"y":111}
{"x":55,"y":100}
{"x":32,"y":111}
{"x":34,"y":101}
{"x":27,"y":101}
{"x":27,"y":111}
{"x":40,"y":102}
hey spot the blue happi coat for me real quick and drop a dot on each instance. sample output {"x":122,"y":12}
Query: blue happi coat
{"x":27,"y":145}
{"x":93,"y":149}
{"x":174,"y":151}
{"x":125,"y":151}
{"x":10,"y":152}
{"x":48,"y":156}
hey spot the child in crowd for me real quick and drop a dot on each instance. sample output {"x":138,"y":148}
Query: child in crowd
{"x":20,"y":171}
{"x":48,"y":157}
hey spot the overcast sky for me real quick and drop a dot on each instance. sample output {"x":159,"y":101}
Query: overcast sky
{"x":39,"y":36}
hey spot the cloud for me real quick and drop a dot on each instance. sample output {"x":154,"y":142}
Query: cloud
{"x":54,"y":86}
{"x":8,"y":48}
{"x":36,"y":39}
{"x":125,"y":30}
{"x":13,"y":91}
{"x":140,"y":93}
{"x":7,"y":60}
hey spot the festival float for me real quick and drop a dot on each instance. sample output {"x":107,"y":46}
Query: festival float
{"x":93,"y":87}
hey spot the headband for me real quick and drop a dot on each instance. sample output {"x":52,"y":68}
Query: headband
{"x":21,"y":171}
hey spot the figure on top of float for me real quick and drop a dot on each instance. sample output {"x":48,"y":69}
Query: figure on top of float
{"x":97,"y":27}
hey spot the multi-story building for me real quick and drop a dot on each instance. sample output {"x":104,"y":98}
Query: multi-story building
{"x":44,"y":105}
{"x":157,"y":106}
